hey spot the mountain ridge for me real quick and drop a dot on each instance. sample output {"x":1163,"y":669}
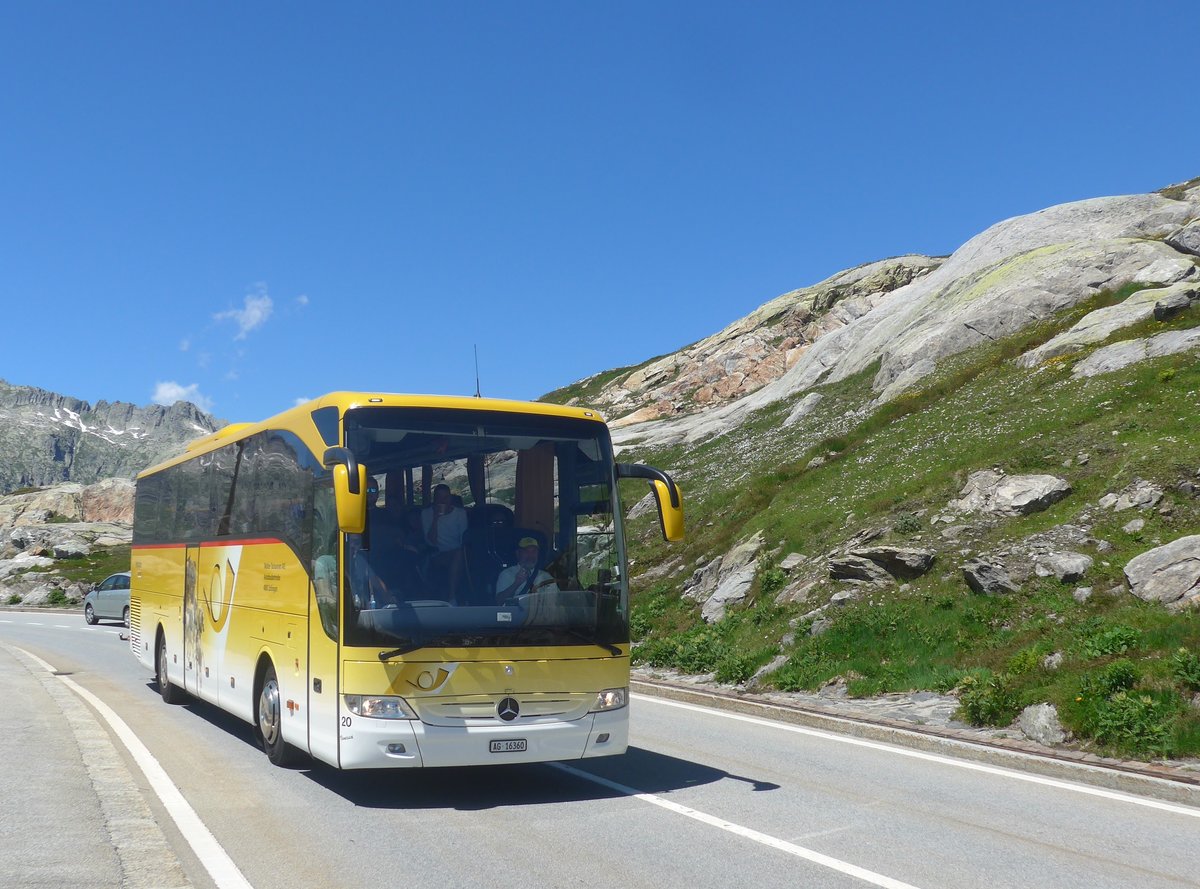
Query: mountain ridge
{"x":47,"y":438}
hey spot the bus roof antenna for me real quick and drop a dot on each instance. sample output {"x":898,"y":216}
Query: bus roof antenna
{"x":475,"y":346}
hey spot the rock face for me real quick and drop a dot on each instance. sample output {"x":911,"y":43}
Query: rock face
{"x":1169,"y":574}
{"x":1067,"y":567}
{"x":903,"y":562}
{"x":47,"y":438}
{"x":110,"y":500}
{"x":994,"y":492}
{"x":1018,"y":272}
{"x":757,"y":349}
{"x":1123,"y":354}
{"x":724,"y":581}
{"x":1099,"y":325}
{"x":988,"y":579}
{"x":859,"y":569}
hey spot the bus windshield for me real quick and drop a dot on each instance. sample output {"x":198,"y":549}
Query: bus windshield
{"x":483,"y":529}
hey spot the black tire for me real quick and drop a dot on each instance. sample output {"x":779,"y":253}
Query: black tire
{"x":269,"y":726}
{"x":171,"y":694}
{"x":89,"y":614}
{"x":125,"y":617}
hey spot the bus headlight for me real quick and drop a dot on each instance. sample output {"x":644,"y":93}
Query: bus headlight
{"x":379,"y":706}
{"x":610,"y":699}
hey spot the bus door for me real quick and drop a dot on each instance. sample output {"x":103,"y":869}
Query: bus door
{"x":323,"y":664}
{"x":192,"y":620}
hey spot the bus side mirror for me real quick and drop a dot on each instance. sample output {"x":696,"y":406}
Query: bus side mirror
{"x":666,"y":494}
{"x":349,"y":489}
{"x":670,"y":510}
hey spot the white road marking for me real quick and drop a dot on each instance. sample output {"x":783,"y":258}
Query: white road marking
{"x":933,"y":757}
{"x":225,"y":874}
{"x":852,"y":870}
{"x":61,"y":627}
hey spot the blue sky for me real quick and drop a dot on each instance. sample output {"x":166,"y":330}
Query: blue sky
{"x":249,"y":204}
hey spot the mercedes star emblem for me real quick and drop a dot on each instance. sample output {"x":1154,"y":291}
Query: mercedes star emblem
{"x":508,"y":709}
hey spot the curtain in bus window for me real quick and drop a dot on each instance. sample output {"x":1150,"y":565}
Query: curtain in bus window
{"x":535,"y":489}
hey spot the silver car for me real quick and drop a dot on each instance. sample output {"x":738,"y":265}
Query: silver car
{"x":108,"y":599}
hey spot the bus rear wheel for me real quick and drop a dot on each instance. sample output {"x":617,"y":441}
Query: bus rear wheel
{"x":270,"y":722}
{"x":171,"y":694}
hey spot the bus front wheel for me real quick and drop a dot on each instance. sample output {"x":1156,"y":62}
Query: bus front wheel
{"x":270,"y":722}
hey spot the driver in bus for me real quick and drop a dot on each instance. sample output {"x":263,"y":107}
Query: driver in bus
{"x":525,"y":576}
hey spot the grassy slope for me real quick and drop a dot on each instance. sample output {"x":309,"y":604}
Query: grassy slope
{"x":1123,"y":684}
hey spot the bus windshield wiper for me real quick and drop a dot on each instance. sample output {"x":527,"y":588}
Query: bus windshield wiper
{"x":607,"y":646}
{"x":409,"y":645}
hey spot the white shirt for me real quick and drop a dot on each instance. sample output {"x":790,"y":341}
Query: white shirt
{"x":450,"y":527}
{"x":543,"y":583}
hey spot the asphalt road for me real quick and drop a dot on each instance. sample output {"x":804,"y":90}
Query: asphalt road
{"x":702,"y":799}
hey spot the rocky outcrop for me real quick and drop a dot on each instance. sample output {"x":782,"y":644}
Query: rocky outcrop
{"x":1140,"y":494}
{"x":1169,"y":574}
{"x":724,"y":581}
{"x":995,"y":493}
{"x":1097,"y":326}
{"x":857,"y":568}
{"x":757,"y":349}
{"x":110,"y":500}
{"x":1018,"y":272}
{"x":1122,"y":354}
{"x":1066,"y":566}
{"x":46,"y":438}
{"x":898,"y":561}
{"x":1186,"y":239}
{"x":988,"y":579}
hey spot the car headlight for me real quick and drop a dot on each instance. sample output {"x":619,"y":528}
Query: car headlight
{"x":610,"y":699}
{"x":379,"y":706}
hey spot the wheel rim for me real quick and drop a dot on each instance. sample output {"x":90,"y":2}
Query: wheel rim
{"x":268,"y":711}
{"x":88,"y":614}
{"x":162,"y":663}
{"x":125,"y":617}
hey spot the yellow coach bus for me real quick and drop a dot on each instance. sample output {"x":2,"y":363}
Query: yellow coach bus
{"x":383,"y":581}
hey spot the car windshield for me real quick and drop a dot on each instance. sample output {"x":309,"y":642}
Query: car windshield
{"x":483,"y":529}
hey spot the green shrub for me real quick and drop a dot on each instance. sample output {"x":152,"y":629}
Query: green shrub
{"x":771,"y":578}
{"x":987,"y":700}
{"x":1185,"y":666}
{"x":1138,"y":722}
{"x":736,"y":668}
{"x":1025,"y":661}
{"x":1120,"y":675}
{"x":907,"y":523}
{"x":57,"y":598}
{"x":1116,"y":639}
{"x":14,"y":599}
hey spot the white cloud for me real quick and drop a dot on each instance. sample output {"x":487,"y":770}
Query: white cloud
{"x":184,"y":345}
{"x":169,"y":392}
{"x":257,"y":309}
{"x":301,"y":400}
{"x":302,"y":299}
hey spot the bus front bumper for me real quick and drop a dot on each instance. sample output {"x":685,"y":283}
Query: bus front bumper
{"x":399,"y":743}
